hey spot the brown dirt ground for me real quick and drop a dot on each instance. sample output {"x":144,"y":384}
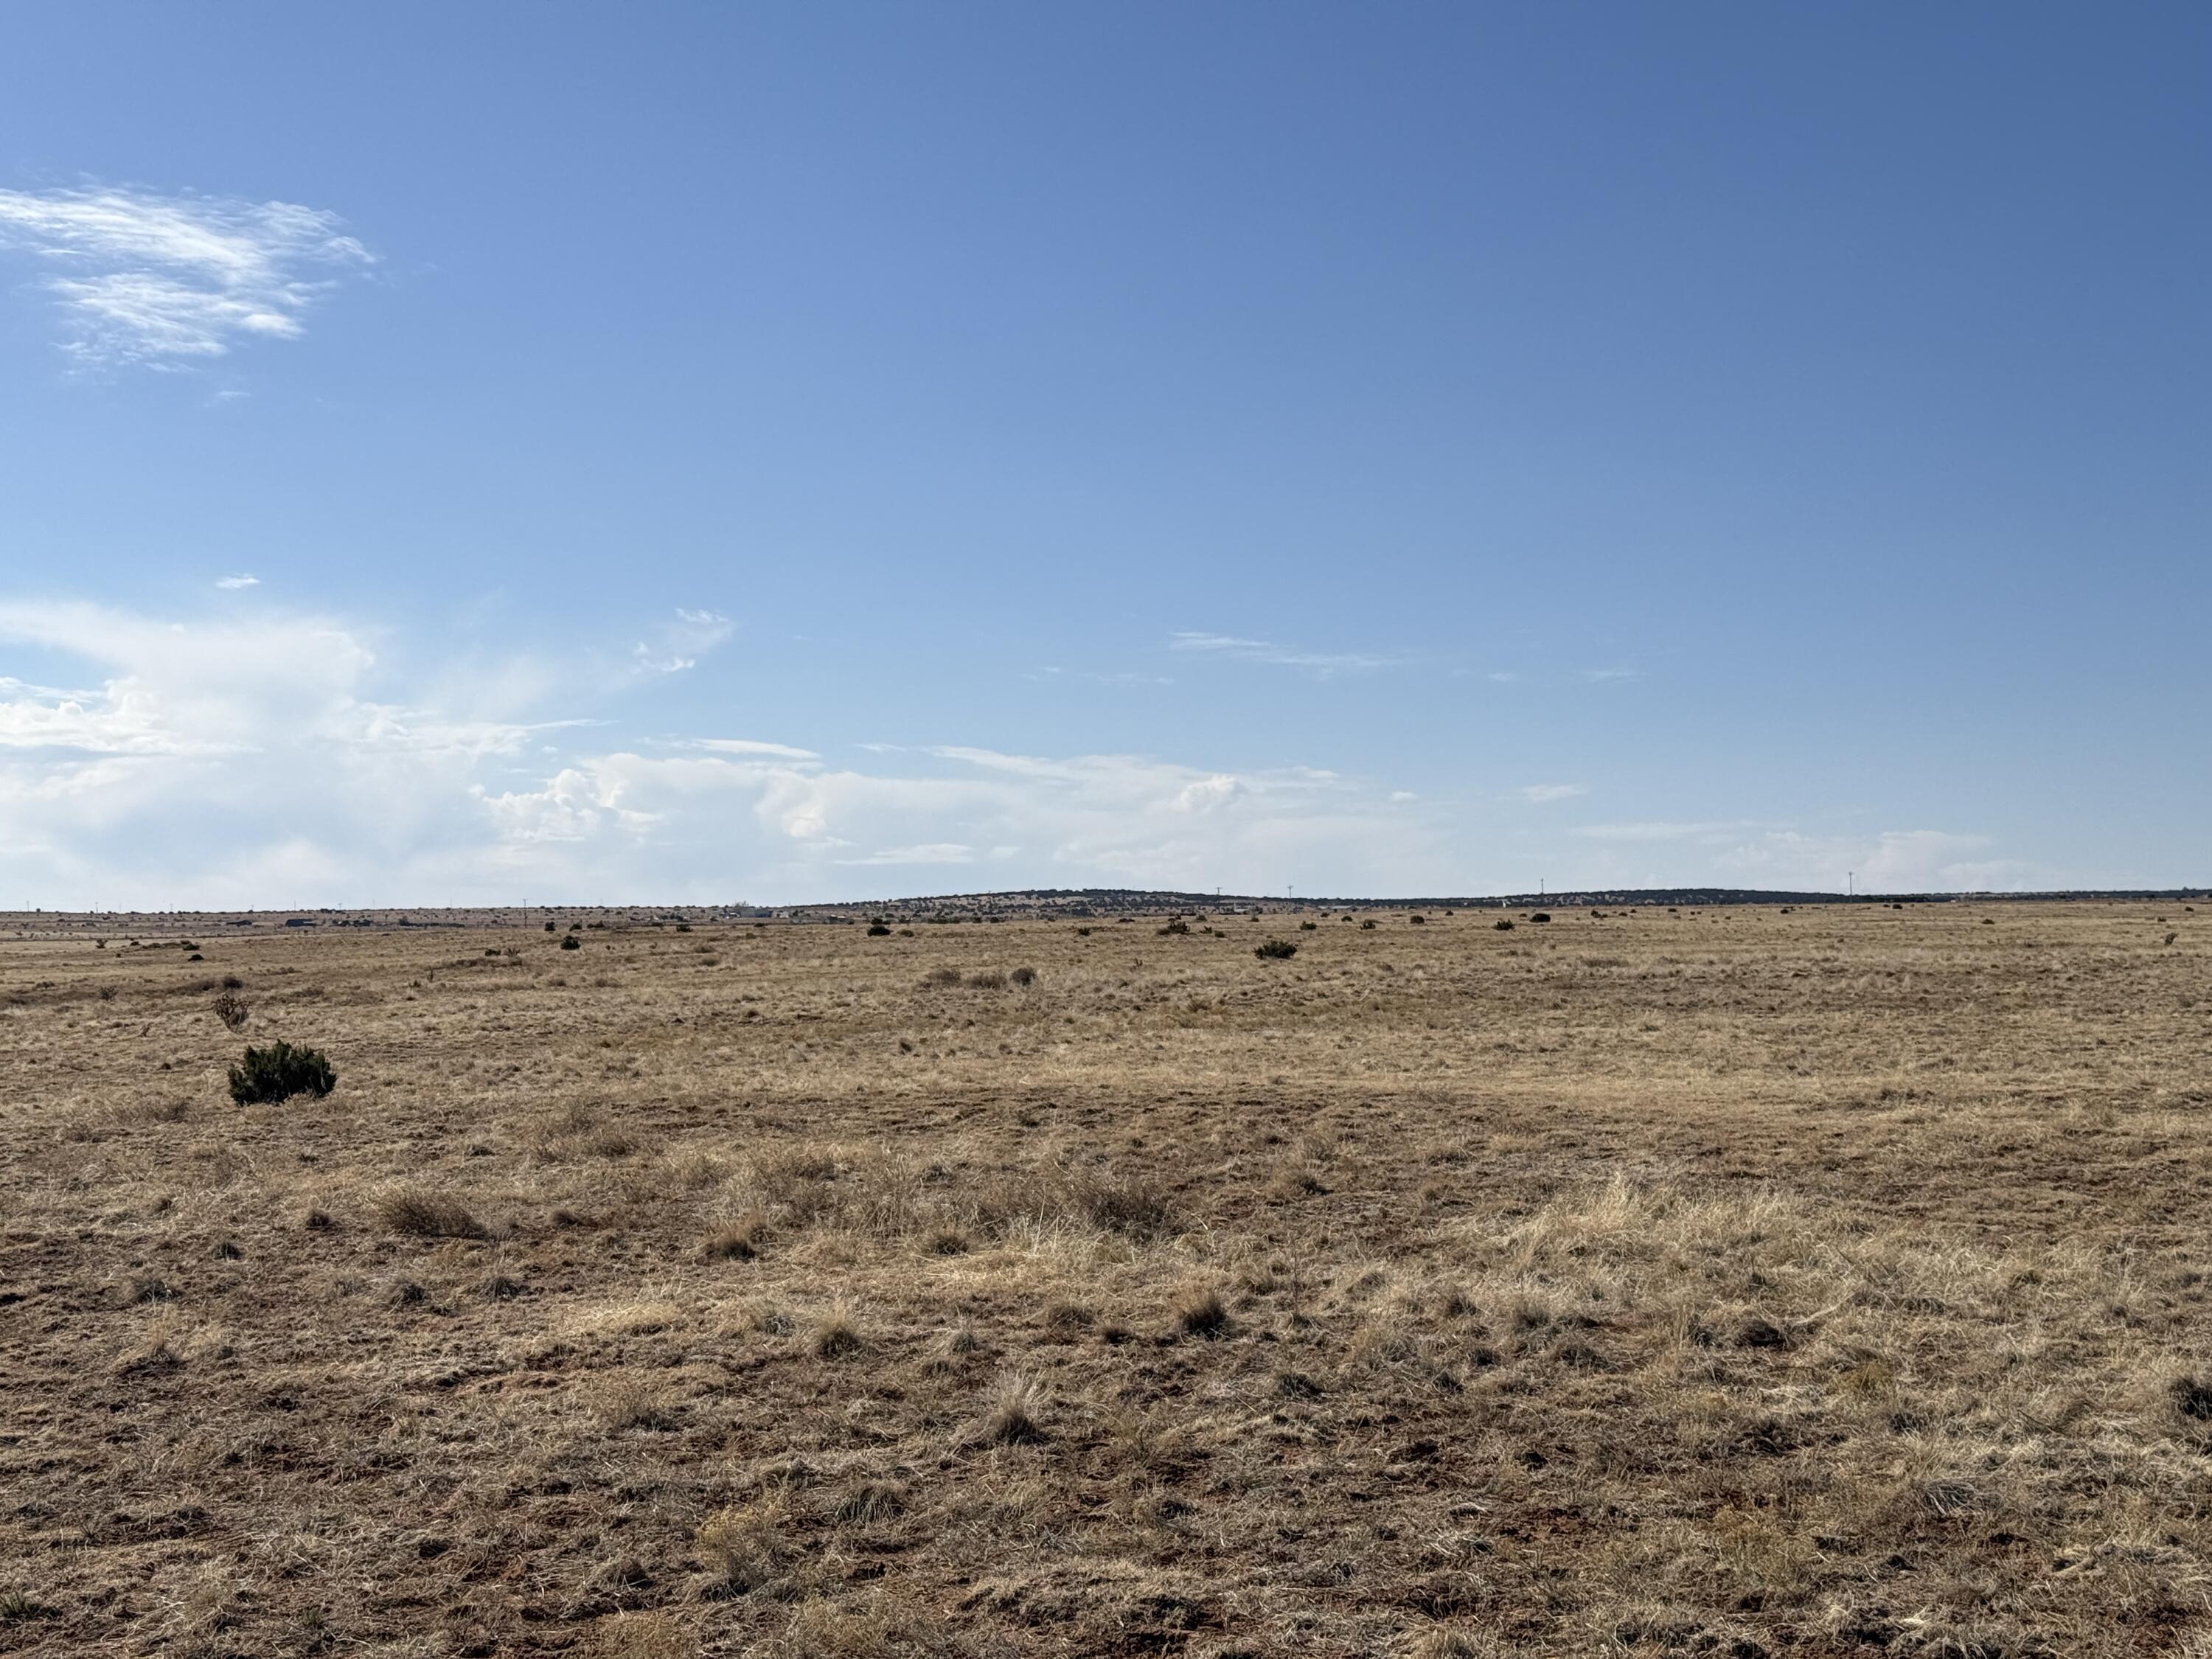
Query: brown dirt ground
{"x":1732,"y":1282}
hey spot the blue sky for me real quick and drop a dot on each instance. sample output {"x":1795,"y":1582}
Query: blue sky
{"x":809,"y":452}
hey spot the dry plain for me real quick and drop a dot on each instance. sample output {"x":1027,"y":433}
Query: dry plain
{"x":1728,"y":1282}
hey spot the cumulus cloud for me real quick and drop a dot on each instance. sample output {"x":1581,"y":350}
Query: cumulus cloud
{"x":238,"y":581}
{"x":160,"y":280}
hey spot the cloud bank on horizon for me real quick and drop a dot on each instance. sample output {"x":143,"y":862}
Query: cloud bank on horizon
{"x":268,"y":756}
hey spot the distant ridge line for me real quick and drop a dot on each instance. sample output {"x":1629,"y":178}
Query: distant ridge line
{"x":1571,"y":897}
{"x":1035,"y":903}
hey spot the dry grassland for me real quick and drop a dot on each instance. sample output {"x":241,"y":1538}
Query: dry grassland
{"x":1733,"y":1283}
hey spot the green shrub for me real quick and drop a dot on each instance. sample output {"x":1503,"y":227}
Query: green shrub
{"x":570,"y":942}
{"x":877,"y":930}
{"x":1275,"y":950}
{"x":278,"y":1073}
{"x":1541,"y":916}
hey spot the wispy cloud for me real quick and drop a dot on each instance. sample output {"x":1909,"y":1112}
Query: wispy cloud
{"x":752,"y":746}
{"x":1543,"y":795}
{"x":1610,"y":676}
{"x":1667,"y":829}
{"x":680,"y":644}
{"x":935,"y":852}
{"x":1230,"y":647}
{"x":238,"y":581}
{"x":144,"y":278}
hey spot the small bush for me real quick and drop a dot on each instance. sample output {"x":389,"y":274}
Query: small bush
{"x":1367,"y":924}
{"x":549,"y":927}
{"x":425,"y":1215}
{"x":938,"y":979}
{"x":739,"y":1241}
{"x":877,"y":930}
{"x":1012,"y":1418}
{"x":1028,"y":975}
{"x":1275,"y":950}
{"x":835,"y":1336}
{"x":1308,"y":926}
{"x":278,"y":1073}
{"x":1419,"y":921}
{"x":1506,"y":927}
{"x":570,"y":942}
{"x":230,"y":1009}
{"x":1541,"y":916}
{"x":987,"y":980}
{"x":1202,"y":1313}
{"x":1178,"y":925}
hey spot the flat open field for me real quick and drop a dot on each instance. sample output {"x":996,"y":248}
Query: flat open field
{"x":1729,"y":1283}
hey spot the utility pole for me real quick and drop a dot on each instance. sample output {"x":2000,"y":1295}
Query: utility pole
{"x":1850,"y":884}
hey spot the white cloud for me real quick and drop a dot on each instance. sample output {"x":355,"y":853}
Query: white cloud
{"x":1610,"y":676}
{"x":1322,"y":663}
{"x":146,"y":278}
{"x":1664,"y":830}
{"x":943,"y":852}
{"x":678,"y":644}
{"x":749,"y":746}
{"x":1543,"y":795}
{"x":238,"y":581}
{"x":1888,"y":861}
{"x":294,"y":758}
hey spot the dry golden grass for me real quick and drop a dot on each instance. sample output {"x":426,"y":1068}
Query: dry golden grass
{"x":1728,"y":1282}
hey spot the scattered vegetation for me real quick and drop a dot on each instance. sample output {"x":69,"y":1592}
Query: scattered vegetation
{"x":1832,"y":1284}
